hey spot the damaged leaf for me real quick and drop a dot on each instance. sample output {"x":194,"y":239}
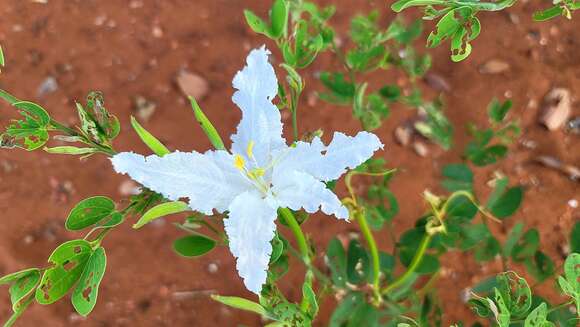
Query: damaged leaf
{"x":84,"y":296}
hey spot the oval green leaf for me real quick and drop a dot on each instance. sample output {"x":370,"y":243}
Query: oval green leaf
{"x":193,"y":245}
{"x":89,"y":212}
{"x":84,"y":296}
{"x":151,"y":141}
{"x":161,"y":210}
{"x":67,"y":264}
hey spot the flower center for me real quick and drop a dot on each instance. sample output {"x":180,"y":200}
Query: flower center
{"x":255,"y":175}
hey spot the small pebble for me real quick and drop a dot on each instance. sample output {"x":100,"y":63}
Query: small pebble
{"x":192,"y":84}
{"x":573,"y":203}
{"x":212,"y":268}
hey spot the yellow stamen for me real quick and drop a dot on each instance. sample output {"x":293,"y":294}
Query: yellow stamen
{"x":250,"y":149}
{"x":239,"y":162}
{"x":256,"y":173}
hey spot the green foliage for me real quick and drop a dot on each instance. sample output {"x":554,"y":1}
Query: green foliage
{"x":560,"y":8}
{"x":89,"y":211}
{"x":161,"y":210}
{"x":457,"y":177}
{"x":490,"y":144}
{"x":207,"y":126}
{"x":67,"y":264}
{"x":31,"y":132}
{"x":278,"y":20}
{"x":436,"y":126}
{"x":457,"y":21}
{"x":570,"y":282}
{"x":240,"y":303}
{"x":504,"y":201}
{"x":84,"y":297}
{"x":151,"y":141}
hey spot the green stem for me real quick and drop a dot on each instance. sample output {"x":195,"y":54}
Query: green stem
{"x":368,"y":235}
{"x":297,"y":231}
{"x":19,"y":313}
{"x":295,"y":121}
{"x":412,"y":267}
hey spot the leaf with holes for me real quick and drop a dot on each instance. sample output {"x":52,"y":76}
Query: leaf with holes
{"x":84,"y":296}
{"x":30,"y":133}
{"x":23,"y":287}
{"x":67,"y":264}
{"x":538,"y":317}
{"x":516,"y":293}
{"x":570,"y":285}
{"x":89,"y":212}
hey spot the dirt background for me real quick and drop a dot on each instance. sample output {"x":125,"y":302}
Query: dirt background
{"x":131,"y":48}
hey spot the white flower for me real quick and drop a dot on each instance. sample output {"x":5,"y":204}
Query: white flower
{"x":261,"y":174}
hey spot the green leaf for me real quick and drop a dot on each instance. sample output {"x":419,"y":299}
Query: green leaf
{"x":206,"y":126}
{"x":67,"y":264}
{"x":160,"y":210}
{"x":497,"y":110}
{"x":151,"y":141}
{"x":358,"y":263}
{"x":538,"y":317}
{"x":540,"y":266}
{"x":10,"y":278}
{"x":89,"y":212}
{"x":193,"y":245}
{"x":241,"y":303}
{"x":84,"y":297}
{"x":526,"y":246}
{"x":488,"y":155}
{"x":23,"y":287}
{"x":256,"y":23}
{"x":458,"y":177}
{"x":512,"y":239}
{"x":515,"y":292}
{"x":344,"y":310}
{"x":503,"y":204}
{"x":336,"y":261}
{"x":341,"y":91}
{"x":570,"y":285}
{"x":71,"y":150}
{"x":310,"y":304}
{"x":278,"y":19}
{"x":401,"y":5}
{"x":1,"y":57}
{"x":548,"y":14}
{"x":35,"y":111}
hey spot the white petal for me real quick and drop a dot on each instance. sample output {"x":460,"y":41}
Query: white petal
{"x":298,"y":190}
{"x":328,"y":163}
{"x":261,"y":124}
{"x":209,"y":180}
{"x":250,"y":228}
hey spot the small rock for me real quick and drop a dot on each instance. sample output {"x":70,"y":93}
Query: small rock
{"x":129,"y":187}
{"x":75,"y":318}
{"x":312,"y":99}
{"x":420,"y":149}
{"x":437,"y":82}
{"x":573,"y":125}
{"x":47,"y":86}
{"x":403,"y":135}
{"x":212,"y":268}
{"x":135,"y":4}
{"x":192,"y":85}
{"x":144,"y":108}
{"x":494,"y":66}
{"x":28,"y":239}
{"x":556,"y":108}
{"x":157,"y":32}
{"x":573,"y":203}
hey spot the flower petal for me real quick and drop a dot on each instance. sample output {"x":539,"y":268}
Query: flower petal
{"x":209,"y":180}
{"x":261,"y":124}
{"x":297,"y":190}
{"x":328,"y":163}
{"x":250,"y":228}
